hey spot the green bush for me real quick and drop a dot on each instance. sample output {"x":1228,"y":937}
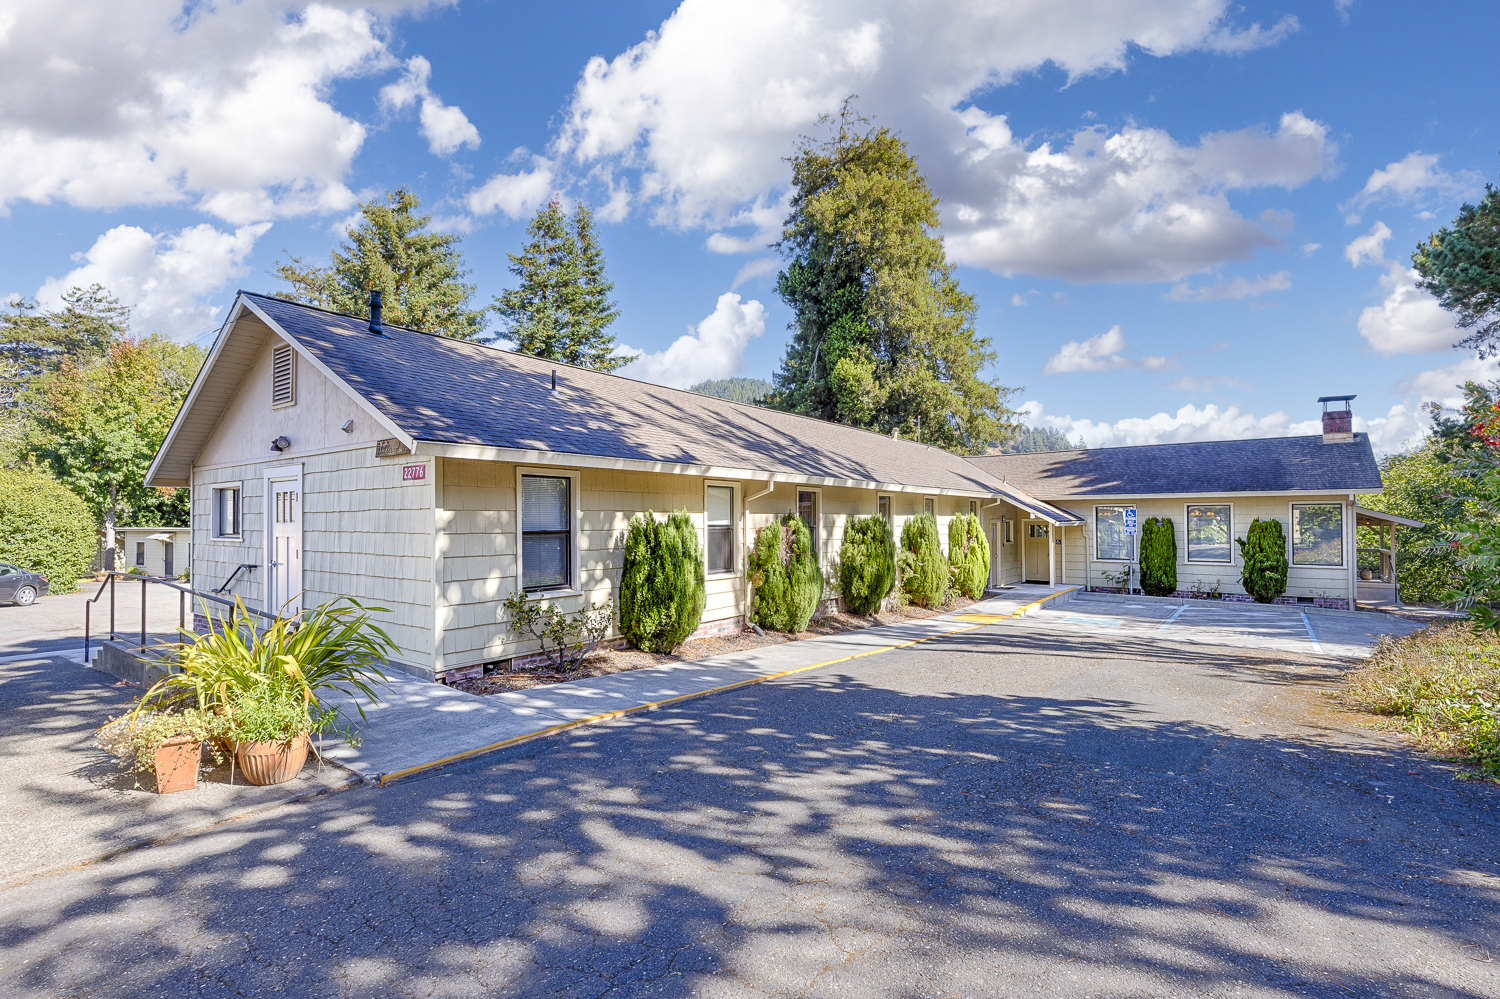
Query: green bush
{"x":969,"y":553}
{"x":45,"y":528}
{"x":924,"y":570}
{"x":1263,"y":550}
{"x":867,"y":564}
{"x":788,"y":583}
{"x":1158,"y":557}
{"x":662,"y":592}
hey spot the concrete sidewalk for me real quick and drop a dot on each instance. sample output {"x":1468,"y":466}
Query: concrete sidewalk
{"x":419,"y":724}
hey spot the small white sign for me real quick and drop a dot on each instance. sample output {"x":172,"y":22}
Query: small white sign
{"x":1130,"y":520}
{"x":416,"y":473}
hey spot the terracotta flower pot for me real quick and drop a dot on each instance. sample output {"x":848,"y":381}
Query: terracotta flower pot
{"x":177,"y":764}
{"x":272,"y":762}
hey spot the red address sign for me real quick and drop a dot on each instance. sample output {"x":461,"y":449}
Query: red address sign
{"x":413,"y":473}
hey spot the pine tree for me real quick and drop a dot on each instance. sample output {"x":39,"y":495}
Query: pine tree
{"x":561,"y":311}
{"x":417,"y":272}
{"x":883,"y":336}
{"x":1461,"y":266}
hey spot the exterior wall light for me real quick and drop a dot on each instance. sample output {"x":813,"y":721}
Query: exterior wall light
{"x":280,"y":444}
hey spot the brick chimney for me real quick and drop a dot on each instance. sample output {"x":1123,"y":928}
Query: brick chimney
{"x":1338,"y":424}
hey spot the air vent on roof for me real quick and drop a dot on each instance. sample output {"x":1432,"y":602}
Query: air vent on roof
{"x":283,"y":377}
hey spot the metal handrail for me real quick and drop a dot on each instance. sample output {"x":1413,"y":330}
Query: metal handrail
{"x":237,"y":569}
{"x":183,"y":592}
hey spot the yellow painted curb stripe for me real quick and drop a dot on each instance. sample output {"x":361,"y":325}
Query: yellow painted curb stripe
{"x":653,"y":705}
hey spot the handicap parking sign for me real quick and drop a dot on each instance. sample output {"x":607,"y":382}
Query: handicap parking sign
{"x":1130,"y":520}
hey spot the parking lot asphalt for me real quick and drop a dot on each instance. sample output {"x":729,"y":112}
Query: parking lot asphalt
{"x":1014,"y":810}
{"x":54,"y":624}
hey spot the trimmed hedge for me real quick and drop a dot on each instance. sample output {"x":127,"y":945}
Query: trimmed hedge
{"x":969,"y":553}
{"x":1158,"y":557}
{"x":45,"y":528}
{"x":788,"y":583}
{"x":924,"y":570}
{"x":867,"y":564}
{"x":1263,"y":549}
{"x":662,"y":592}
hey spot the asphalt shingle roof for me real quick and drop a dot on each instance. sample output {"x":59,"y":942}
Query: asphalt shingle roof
{"x":1210,"y":468}
{"x":451,"y":391}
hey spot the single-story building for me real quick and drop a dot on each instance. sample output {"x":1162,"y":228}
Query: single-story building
{"x":332,"y":455}
{"x":1212,"y":491}
{"x":160,"y":551}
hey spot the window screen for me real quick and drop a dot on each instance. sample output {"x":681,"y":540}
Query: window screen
{"x":227,"y":512}
{"x":720,"y":529}
{"x":1111,"y":543}
{"x":807,"y":509}
{"x":1208,"y":533}
{"x":1318,"y":534}
{"x":546,"y":535}
{"x":283,"y":377}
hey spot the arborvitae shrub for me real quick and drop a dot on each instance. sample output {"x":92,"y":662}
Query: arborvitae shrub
{"x":788,"y":583}
{"x":1263,"y":551}
{"x":1158,"y":557}
{"x":867,"y":564}
{"x":662,"y":593}
{"x":969,"y":552}
{"x":924,"y":570}
{"x":45,"y":528}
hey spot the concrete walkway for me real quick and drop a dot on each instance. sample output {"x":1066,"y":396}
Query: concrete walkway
{"x":419,"y":724}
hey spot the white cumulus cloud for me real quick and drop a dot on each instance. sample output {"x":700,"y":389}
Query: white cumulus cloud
{"x":1406,"y":180}
{"x":1409,"y":319}
{"x":703,"y":112}
{"x":225,"y":106}
{"x":515,"y":195}
{"x":163,"y":277}
{"x":715,"y":348}
{"x":1104,"y":352}
{"x":446,"y":129}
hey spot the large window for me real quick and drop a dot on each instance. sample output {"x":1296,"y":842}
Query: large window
{"x":1208,"y":533}
{"x":1111,"y":543}
{"x":227,"y":512}
{"x":807,"y":509}
{"x":1318,"y":534}
{"x":546,"y":532}
{"x":720,"y":519}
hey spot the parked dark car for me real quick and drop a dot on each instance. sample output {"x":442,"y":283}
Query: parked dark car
{"x":19,"y":587}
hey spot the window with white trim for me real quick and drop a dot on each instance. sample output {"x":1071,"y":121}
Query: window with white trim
{"x":140,"y":553}
{"x":1111,"y":543}
{"x":883,"y":507}
{"x":929,"y":505}
{"x":719,"y":520}
{"x":546,"y":532}
{"x":1209,"y":530}
{"x":227,"y":512}
{"x":807,"y":509}
{"x":973,"y":508}
{"x":283,"y":377}
{"x":1318,"y":534}
{"x":1008,"y":530}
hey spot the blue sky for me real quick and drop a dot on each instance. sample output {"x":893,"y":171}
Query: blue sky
{"x":1182,"y":219}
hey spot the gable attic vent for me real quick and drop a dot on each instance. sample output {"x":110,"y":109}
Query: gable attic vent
{"x":283,"y":377}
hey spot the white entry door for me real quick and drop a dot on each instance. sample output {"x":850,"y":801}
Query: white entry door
{"x":285,"y":547}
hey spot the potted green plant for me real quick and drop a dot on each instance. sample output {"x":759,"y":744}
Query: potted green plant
{"x":270,"y":726}
{"x":166,"y":743}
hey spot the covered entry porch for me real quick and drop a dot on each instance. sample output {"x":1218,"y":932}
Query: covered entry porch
{"x":1378,"y":583}
{"x":1032,"y":541}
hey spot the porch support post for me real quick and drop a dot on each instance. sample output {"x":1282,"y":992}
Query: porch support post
{"x":1062,"y":556}
{"x":1051,"y":559}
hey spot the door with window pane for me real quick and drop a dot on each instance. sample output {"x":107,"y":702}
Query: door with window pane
{"x":719,"y":517}
{"x":285,"y":543}
{"x":546,"y":532}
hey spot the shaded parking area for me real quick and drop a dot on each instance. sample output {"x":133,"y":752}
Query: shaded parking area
{"x":1012,"y":810}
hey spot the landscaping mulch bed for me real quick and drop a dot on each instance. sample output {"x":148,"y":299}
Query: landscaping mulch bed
{"x":607,"y":661}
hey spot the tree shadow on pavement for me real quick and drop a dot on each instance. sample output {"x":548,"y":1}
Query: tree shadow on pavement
{"x":824,"y":836}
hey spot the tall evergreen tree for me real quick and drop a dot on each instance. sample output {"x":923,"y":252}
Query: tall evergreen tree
{"x":1461,"y":266}
{"x":883,"y":336}
{"x":416,"y":271}
{"x":37,"y":341}
{"x":561,"y":311}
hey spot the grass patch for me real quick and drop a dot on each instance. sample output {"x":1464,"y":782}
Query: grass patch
{"x":1441,"y":685}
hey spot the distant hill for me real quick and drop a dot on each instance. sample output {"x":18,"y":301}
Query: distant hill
{"x":1032,"y":439}
{"x":735,"y":389}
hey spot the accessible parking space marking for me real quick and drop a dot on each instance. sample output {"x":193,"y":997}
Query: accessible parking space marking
{"x":1165,"y":624}
{"x":1312,"y":635}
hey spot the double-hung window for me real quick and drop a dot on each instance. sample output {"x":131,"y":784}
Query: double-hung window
{"x":1111,"y":543}
{"x":928,"y":506}
{"x":807,"y":509}
{"x":883,"y":506}
{"x":1208,"y":533}
{"x":140,"y":553}
{"x":546,"y":532}
{"x":227,"y":512}
{"x":1318,"y":534}
{"x":720,"y":523}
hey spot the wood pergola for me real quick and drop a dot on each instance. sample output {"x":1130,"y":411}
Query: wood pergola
{"x":1385,"y":587}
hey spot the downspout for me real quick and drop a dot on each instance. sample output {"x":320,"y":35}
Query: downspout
{"x":764,"y":492}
